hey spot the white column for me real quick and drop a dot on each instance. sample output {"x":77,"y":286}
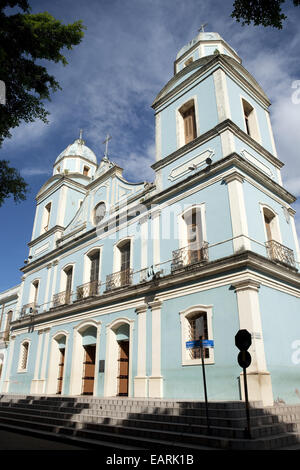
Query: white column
{"x":238,"y":214}
{"x":292,"y":213}
{"x":9,"y":364}
{"x":144,"y":242}
{"x":156,"y":379}
{"x":46,"y":305}
{"x":258,"y":378}
{"x":156,"y":236}
{"x":55,"y":263}
{"x":141,"y":380}
{"x":44,"y":361}
{"x":221,"y":93}
{"x":34,"y":383}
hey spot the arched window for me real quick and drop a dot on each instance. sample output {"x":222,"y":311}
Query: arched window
{"x":187,"y":123}
{"x":196,"y":322}
{"x":46,"y":217}
{"x":99,"y":213}
{"x":271,"y":225}
{"x":251,"y":126}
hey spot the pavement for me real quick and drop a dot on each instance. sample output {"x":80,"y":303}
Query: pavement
{"x":16,"y":441}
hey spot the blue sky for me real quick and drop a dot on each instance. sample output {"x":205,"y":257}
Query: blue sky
{"x":112,"y":78}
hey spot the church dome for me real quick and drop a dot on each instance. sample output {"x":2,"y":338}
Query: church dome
{"x":78,"y":149}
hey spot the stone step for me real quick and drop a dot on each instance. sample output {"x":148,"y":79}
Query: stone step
{"x":98,"y":422}
{"x":234,"y":428}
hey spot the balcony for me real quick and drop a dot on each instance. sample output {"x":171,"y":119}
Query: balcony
{"x":189,"y":255}
{"x":281,"y":253}
{"x":119,"y":279}
{"x":29,"y":309}
{"x":89,"y":289}
{"x":62,"y":298}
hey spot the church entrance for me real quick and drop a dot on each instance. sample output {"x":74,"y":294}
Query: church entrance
{"x":88,"y":369}
{"x":61,"y":364}
{"x":123,"y":368}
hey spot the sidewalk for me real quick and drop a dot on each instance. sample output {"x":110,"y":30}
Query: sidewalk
{"x":16,"y":441}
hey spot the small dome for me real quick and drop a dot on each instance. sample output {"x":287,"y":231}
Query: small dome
{"x":79,"y":149}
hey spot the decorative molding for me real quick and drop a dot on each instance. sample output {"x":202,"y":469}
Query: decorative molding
{"x":192,"y":164}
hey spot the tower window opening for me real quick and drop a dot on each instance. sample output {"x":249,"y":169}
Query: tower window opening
{"x":250,"y":120}
{"x":46,"y":221}
{"x":86,"y":171}
{"x":188,"y":117}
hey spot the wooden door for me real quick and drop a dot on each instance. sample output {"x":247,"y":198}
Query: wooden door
{"x":123,"y":368}
{"x":60,"y":370}
{"x":89,"y":369}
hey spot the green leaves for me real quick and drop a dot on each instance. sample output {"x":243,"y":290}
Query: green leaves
{"x":11,"y":183}
{"x":261,"y":12}
{"x":26,"y":39}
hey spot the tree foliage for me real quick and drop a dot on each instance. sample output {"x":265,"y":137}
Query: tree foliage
{"x":26,"y":40}
{"x":11,"y":183}
{"x":261,"y":12}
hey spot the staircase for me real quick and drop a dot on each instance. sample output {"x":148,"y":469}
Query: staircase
{"x":147,"y":424}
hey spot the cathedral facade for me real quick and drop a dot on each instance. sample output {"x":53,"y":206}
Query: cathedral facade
{"x":122,"y":278}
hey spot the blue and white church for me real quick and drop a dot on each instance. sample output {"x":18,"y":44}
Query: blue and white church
{"x":122,"y":277}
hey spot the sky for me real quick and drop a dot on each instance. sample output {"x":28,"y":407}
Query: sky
{"x":113,"y":77}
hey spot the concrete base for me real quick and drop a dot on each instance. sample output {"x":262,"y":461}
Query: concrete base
{"x":259,"y":387}
{"x":140,"y":387}
{"x":156,"y":387}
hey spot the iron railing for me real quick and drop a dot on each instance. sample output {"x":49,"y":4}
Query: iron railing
{"x":62,"y":298}
{"x":119,"y":279}
{"x":89,"y":289}
{"x":189,"y":255}
{"x":278,"y":252}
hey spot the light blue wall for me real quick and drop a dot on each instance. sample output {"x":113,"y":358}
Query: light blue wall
{"x":207,"y":112}
{"x":253,"y":198}
{"x":235,"y":92}
{"x":186,"y":381}
{"x":280,"y":317}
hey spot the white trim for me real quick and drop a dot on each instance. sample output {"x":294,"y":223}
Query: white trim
{"x":111,"y":355}
{"x":254,"y":127}
{"x":221,"y":93}
{"x":275,"y":228}
{"x":156,"y":379}
{"x":184,"y":314}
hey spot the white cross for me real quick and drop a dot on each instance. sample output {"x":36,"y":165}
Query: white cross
{"x":201,"y":30}
{"x":80,"y":134}
{"x":108,"y":137}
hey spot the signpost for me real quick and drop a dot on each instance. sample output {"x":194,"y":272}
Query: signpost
{"x":202,"y":343}
{"x":243,"y":341}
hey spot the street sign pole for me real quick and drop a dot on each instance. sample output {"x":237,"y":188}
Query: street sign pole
{"x":248,"y":430}
{"x":204,"y":384}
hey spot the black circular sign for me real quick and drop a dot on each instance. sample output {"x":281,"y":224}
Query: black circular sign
{"x":244,"y":359}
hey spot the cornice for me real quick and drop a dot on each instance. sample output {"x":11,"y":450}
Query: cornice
{"x":61,"y":180}
{"x":56,"y":228}
{"x":214,"y":132}
{"x":211,"y":63}
{"x":242,"y":264}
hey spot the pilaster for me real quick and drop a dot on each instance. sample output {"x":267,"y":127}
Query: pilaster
{"x":238,"y":214}
{"x":141,"y":379}
{"x":156,"y":379}
{"x":258,"y":378}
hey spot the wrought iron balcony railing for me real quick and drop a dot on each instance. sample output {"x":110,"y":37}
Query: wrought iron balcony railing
{"x":29,"y":309}
{"x":189,"y":255}
{"x":62,"y":298}
{"x":89,"y":289}
{"x":119,"y":279}
{"x":278,"y":252}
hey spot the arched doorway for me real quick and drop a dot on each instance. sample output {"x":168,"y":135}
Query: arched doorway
{"x":118,"y":359}
{"x":122,"y":337}
{"x":57,"y":364}
{"x":89,"y":338}
{"x":83,"y":374}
